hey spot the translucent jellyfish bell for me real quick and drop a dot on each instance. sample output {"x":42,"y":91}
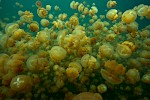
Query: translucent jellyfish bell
{"x":129,"y":16}
{"x":11,"y":27}
{"x":112,"y":14}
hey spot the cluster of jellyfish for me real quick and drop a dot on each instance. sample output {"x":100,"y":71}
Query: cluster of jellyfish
{"x":67,"y":60}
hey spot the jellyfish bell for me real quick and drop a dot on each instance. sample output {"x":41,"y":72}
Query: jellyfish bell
{"x":38,"y":4}
{"x":42,"y":12}
{"x":123,"y":51}
{"x":142,"y":10}
{"x":3,"y":60}
{"x":11,"y":27}
{"x":129,"y":16}
{"x":72,"y":73}
{"x":106,"y":50}
{"x":98,"y":25}
{"x":112,"y":14}
{"x":57,"y":53}
{"x":44,"y":22}
{"x":111,"y":4}
{"x":146,"y":78}
{"x":110,"y":77}
{"x":48,"y":7}
{"x":132,"y":27}
{"x":33,"y":26}
{"x":21,"y":83}
{"x":132,"y":76}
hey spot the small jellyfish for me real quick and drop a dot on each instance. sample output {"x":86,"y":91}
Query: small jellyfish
{"x":111,"y":4}
{"x":21,"y":83}
{"x":57,"y":53}
{"x":44,"y":22}
{"x":33,"y":26}
{"x":38,"y":4}
{"x":112,"y":14}
{"x":132,"y":76}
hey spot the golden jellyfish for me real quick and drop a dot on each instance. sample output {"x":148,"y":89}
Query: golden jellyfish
{"x":89,"y":62}
{"x":74,"y":5}
{"x":91,"y":21}
{"x":121,"y":28}
{"x":93,"y":10}
{"x":72,"y":72}
{"x":86,"y":11}
{"x":106,"y":50}
{"x":21,"y":84}
{"x":142,"y":10}
{"x":44,"y":22}
{"x":76,"y":39}
{"x":57,"y":53}
{"x":112,"y":14}
{"x":74,"y":21}
{"x":18,"y":34}
{"x":94,"y":17}
{"x":56,"y":8}
{"x":11,"y":27}
{"x":62,"y":16}
{"x":76,"y":65}
{"x":147,"y":41}
{"x":18,"y":57}
{"x":111,"y":4}
{"x":148,"y":13}
{"x":33,"y":44}
{"x":34,"y":63}
{"x":131,"y":45}
{"x":4,"y":39}
{"x":15,"y":63}
{"x":42,"y":12}
{"x":3,"y":60}
{"x":88,"y":96}
{"x":125,"y":49}
{"x":50,"y":16}
{"x":48,"y":7}
{"x":84,"y":50}
{"x":145,"y":33}
{"x":132,"y":27}
{"x":129,"y":16}
{"x":6,"y":79}
{"x":98,"y":25}
{"x":27,"y":16}
{"x":102,"y":88}
{"x":61,"y":36}
{"x":81,"y":7}
{"x":20,"y":13}
{"x":146,"y":78}
{"x":43,"y":36}
{"x":33,"y":26}
{"x":132,"y":76}
{"x":42,"y":53}
{"x":113,"y":72}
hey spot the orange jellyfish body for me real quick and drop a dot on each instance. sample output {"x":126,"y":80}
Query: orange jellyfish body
{"x":88,"y":96}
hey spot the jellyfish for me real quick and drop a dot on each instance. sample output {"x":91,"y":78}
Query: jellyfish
{"x":38,"y":4}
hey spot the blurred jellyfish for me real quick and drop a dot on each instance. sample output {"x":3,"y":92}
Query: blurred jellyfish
{"x":38,"y":4}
